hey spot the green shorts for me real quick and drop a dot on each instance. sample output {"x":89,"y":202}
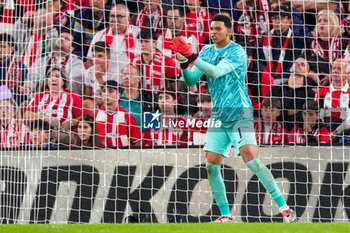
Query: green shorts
{"x":238,"y":134}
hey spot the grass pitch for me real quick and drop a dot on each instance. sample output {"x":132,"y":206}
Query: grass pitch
{"x":183,"y":228}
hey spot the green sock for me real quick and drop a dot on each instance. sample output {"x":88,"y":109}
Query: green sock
{"x":267,"y":180}
{"x":218,"y":187}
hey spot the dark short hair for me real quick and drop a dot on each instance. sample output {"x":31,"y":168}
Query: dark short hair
{"x":63,"y":75}
{"x":163,"y":91}
{"x":281,"y":10}
{"x":227,"y":11}
{"x":174,"y":8}
{"x":112,"y":84}
{"x":223,"y":18}
{"x":271,"y":102}
{"x":147,"y":34}
{"x":310,"y":105}
{"x":39,"y":125}
{"x":101,"y":46}
{"x":7,"y":38}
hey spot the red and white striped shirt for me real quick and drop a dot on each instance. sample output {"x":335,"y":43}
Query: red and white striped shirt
{"x":68,"y":106}
{"x":155,"y":73}
{"x":277,"y":134}
{"x":198,"y":25}
{"x":319,"y":134}
{"x":197,"y":134}
{"x":167,"y":135}
{"x":13,"y":136}
{"x":116,"y":130}
{"x":335,"y":102}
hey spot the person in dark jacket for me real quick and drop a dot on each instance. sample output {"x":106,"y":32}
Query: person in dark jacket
{"x":281,"y":46}
{"x":293,"y":93}
{"x":89,"y":22}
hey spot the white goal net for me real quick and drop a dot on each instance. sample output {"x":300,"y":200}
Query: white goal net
{"x":99,"y":126}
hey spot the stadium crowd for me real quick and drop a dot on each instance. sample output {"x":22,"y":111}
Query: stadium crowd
{"x":83,"y":73}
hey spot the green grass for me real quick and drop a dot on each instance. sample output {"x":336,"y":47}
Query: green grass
{"x":183,"y":228}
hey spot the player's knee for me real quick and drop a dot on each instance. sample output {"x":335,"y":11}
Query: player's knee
{"x":255,"y":165}
{"x":211,"y":167}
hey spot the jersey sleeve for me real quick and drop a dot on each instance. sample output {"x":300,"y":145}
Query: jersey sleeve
{"x":323,"y":135}
{"x":133,"y":130}
{"x":78,"y":108}
{"x":170,"y":68}
{"x":235,"y":59}
{"x":285,"y":136}
{"x":33,"y":105}
{"x":147,"y":138}
{"x":292,"y":135}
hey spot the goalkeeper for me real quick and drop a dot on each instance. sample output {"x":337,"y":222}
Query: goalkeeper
{"x":225,"y":65}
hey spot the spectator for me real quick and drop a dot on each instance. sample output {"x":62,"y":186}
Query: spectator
{"x":252,"y":20}
{"x":34,"y":35}
{"x":10,"y":12}
{"x":12,"y":71}
{"x":198,"y":20}
{"x":259,"y":82}
{"x":268,"y":130}
{"x":56,"y":105}
{"x":13,"y":132}
{"x":173,"y":129}
{"x":87,"y":136}
{"x":133,"y":99}
{"x":293,"y":93}
{"x":151,"y":16}
{"x":310,"y":9}
{"x":279,"y":48}
{"x":61,"y":19}
{"x":327,"y":44}
{"x":199,"y":130}
{"x":40,"y":134}
{"x":310,"y":130}
{"x":186,"y":97}
{"x":155,"y":67}
{"x":87,"y":23}
{"x":115,"y":126}
{"x":60,"y":57}
{"x":335,"y":100}
{"x":176,"y":27}
{"x":121,"y":36}
{"x":297,"y":18}
{"x":96,"y":75}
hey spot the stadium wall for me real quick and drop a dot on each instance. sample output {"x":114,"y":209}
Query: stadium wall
{"x":80,"y":186}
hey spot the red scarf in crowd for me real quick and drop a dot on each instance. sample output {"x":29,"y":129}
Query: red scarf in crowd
{"x":157,"y":26}
{"x":151,"y":73}
{"x":200,"y":21}
{"x":33,"y":51}
{"x":53,"y":63}
{"x":129,"y":40}
{"x":13,"y":76}
{"x":13,"y":135}
{"x":8,"y":13}
{"x":253,"y":27}
{"x":331,"y":51}
{"x":277,"y":134}
{"x":267,"y":49}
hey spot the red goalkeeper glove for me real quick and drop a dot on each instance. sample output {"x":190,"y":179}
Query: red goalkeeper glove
{"x":184,"y":49}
